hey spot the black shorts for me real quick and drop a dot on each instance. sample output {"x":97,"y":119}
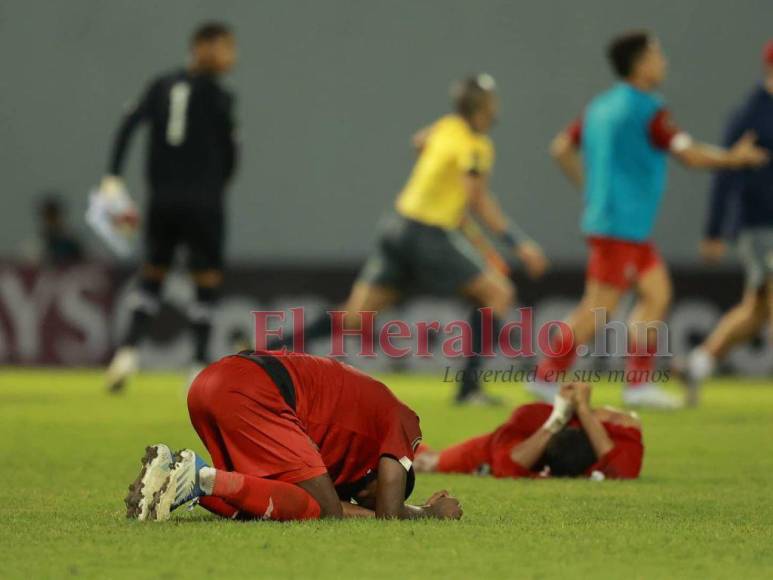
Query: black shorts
{"x":412,"y":256}
{"x":198,"y":228}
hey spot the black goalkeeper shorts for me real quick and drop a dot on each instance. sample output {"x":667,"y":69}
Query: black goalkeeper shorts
{"x":198,"y":228}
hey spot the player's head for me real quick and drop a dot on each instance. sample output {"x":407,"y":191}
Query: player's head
{"x":475,"y":99}
{"x":213,"y":46}
{"x":638,"y":57}
{"x":569,"y":453}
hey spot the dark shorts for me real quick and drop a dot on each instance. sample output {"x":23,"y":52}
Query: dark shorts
{"x":755,"y":248}
{"x":198,"y":228}
{"x":413,"y":256}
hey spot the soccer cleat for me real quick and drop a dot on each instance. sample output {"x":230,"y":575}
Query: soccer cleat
{"x":124,"y":364}
{"x":180,"y":486}
{"x":542,"y":390}
{"x":651,"y":397}
{"x":156,"y":465}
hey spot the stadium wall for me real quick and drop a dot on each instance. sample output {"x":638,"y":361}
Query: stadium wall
{"x":328,"y":101}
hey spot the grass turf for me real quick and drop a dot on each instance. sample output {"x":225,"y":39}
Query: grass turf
{"x":702,"y":508}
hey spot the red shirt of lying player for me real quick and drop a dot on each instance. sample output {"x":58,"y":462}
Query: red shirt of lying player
{"x":567,"y":439}
{"x":291,"y":436}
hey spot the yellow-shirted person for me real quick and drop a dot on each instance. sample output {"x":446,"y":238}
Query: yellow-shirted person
{"x":422,"y":247}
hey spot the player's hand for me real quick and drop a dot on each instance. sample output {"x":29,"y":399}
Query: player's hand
{"x":713,"y":250}
{"x":581,"y":395}
{"x":533,"y":258}
{"x":445,"y":508}
{"x":747,"y":153}
{"x":436,"y":496}
{"x":112,"y":185}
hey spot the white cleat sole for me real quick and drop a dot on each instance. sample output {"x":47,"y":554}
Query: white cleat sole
{"x":156,"y":465}
{"x":164,"y":498}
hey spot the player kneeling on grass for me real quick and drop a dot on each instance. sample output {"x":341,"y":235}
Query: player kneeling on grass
{"x":291,"y":437}
{"x":566,"y":439}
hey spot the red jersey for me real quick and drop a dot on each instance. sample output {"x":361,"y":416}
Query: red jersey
{"x":492,"y":451}
{"x":351,"y":417}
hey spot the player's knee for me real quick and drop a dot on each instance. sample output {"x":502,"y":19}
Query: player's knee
{"x":659,"y":302}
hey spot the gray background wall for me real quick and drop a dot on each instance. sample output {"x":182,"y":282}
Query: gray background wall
{"x":330,"y":92}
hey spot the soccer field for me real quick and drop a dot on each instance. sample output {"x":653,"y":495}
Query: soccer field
{"x":701,"y":509}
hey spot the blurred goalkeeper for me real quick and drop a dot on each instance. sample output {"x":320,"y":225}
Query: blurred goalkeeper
{"x":191,"y":158}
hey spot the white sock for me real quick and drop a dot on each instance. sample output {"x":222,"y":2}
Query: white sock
{"x":701,"y":364}
{"x":207,"y":479}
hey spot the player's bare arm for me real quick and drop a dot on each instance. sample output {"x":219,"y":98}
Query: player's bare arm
{"x":390,"y":494}
{"x":599,"y":438}
{"x":419,"y":138}
{"x":485,"y":206}
{"x":528,"y":452}
{"x":322,"y":490}
{"x":567,"y":155}
{"x":744,"y":153}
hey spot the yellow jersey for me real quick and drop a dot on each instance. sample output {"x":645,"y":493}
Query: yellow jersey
{"x":435,"y":193}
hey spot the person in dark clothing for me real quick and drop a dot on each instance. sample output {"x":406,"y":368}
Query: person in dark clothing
{"x":741,"y":209}
{"x":191,"y":158}
{"x":59,"y":246}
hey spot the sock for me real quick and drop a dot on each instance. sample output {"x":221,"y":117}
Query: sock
{"x":207,"y":479}
{"x":320,"y":328}
{"x":200,"y":319}
{"x":472,"y":364}
{"x":465,"y":457}
{"x":639,"y":367}
{"x":220,"y":507}
{"x":145,"y":303}
{"x":550,"y":368}
{"x":701,"y":364}
{"x":264,"y":498}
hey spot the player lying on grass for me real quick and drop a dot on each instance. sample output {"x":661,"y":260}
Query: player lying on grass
{"x":566,"y":439}
{"x":291,"y":437}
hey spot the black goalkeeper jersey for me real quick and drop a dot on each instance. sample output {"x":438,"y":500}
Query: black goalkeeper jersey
{"x":191,"y":145}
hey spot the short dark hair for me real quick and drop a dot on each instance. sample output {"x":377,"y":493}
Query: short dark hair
{"x":625,"y":50}
{"x":469,"y":93}
{"x":209,"y":31}
{"x":569,"y":453}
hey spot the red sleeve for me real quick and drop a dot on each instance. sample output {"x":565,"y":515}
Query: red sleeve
{"x":625,"y":459}
{"x":574,"y":130}
{"x":662,"y":130}
{"x":521,"y":425}
{"x":403,"y":436}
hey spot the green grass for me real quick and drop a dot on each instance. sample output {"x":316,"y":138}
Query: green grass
{"x":702,"y":509}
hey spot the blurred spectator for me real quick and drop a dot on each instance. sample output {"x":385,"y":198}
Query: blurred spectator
{"x":55,"y":245}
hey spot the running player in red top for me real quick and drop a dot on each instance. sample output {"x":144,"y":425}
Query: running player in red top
{"x":617,"y":155}
{"x":291,"y":437}
{"x":567,"y":439}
